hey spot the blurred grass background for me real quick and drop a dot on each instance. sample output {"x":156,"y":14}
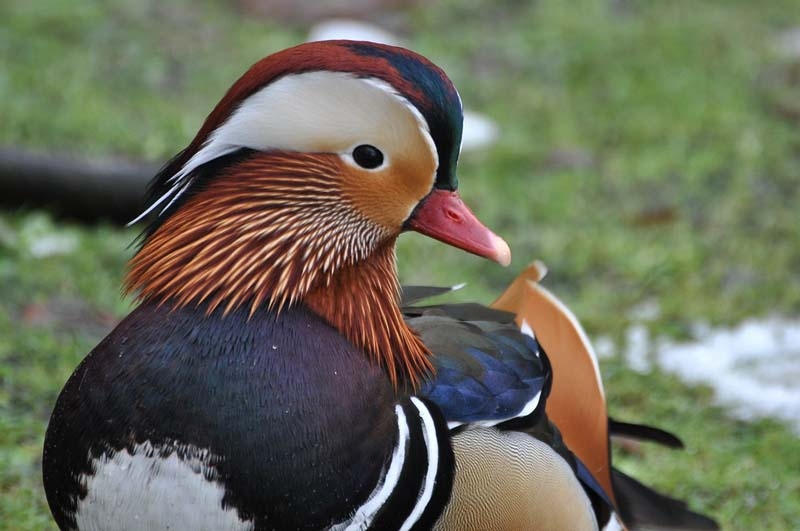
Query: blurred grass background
{"x":650,"y":153}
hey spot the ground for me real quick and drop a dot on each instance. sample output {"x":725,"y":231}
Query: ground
{"x":650,"y":155}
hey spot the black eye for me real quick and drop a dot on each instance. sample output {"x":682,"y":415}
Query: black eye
{"x":367,"y":156}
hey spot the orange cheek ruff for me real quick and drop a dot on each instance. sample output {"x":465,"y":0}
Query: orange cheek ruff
{"x":276,"y":230}
{"x":262,"y":231}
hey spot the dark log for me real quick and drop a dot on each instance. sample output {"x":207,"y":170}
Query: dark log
{"x":74,"y":187}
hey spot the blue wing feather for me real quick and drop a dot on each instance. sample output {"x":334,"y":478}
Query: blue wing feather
{"x":485,"y":371}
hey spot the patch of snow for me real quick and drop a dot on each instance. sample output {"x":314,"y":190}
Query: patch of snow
{"x":479,"y":131}
{"x":52,"y":244}
{"x":637,"y":348}
{"x":41,"y":237}
{"x":604,"y":347}
{"x":356,"y":30}
{"x":648,"y":310}
{"x":787,"y":43}
{"x":754,"y":368}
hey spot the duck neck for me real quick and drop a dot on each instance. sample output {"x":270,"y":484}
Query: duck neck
{"x":362,"y":301}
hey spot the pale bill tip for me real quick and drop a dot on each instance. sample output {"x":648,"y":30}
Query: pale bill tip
{"x":502,"y":252}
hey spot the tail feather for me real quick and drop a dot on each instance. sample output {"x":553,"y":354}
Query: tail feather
{"x":644,"y":509}
{"x":643,"y":432}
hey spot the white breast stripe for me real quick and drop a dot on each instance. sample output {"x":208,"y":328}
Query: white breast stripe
{"x":366,"y":513}
{"x":432,"y":444}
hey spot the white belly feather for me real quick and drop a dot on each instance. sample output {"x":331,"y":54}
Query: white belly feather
{"x":144,"y":491}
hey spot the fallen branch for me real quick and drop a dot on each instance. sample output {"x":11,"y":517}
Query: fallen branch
{"x":74,"y":187}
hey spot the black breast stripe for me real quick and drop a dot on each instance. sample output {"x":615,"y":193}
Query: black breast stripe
{"x":425,"y":479}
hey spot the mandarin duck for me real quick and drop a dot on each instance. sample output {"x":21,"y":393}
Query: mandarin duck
{"x":271,"y":376}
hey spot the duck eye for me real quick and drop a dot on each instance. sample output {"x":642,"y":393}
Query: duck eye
{"x":367,"y":156}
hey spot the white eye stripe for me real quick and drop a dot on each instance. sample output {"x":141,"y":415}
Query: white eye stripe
{"x":309,"y":112}
{"x":421,"y":121}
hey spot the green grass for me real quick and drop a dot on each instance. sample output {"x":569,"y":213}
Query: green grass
{"x":684,"y":191}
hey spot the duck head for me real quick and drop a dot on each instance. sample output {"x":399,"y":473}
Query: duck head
{"x":298,"y":184}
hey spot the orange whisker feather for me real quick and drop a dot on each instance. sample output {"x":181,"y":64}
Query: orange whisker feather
{"x":276,"y":230}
